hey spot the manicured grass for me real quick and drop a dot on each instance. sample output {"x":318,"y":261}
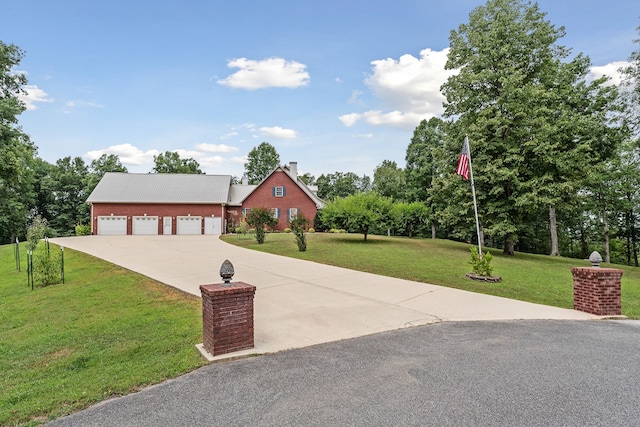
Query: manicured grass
{"x":534,"y":278}
{"x":105,"y":332}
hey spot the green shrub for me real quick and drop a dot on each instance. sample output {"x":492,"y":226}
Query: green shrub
{"x":481,"y":265}
{"x":83,"y":230}
{"x":299,"y":224}
{"x":261,"y":218}
{"x":47,"y":267}
{"x":337,"y":230}
{"x":312,"y":230}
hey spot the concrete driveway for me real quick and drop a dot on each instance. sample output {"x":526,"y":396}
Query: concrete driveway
{"x":301,"y":303}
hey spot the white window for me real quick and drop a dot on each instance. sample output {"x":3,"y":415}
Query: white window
{"x":278,"y":191}
{"x":293,"y":214}
{"x":275,"y":212}
{"x":245,"y":212}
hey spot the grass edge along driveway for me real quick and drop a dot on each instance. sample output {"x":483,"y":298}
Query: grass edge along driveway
{"x":106,"y":332}
{"x":540,"y":279}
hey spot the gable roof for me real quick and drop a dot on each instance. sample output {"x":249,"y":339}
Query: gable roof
{"x":173,"y":188}
{"x":115,"y":187}
{"x":244,"y":194}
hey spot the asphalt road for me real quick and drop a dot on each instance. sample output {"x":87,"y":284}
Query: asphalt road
{"x":506,"y":373}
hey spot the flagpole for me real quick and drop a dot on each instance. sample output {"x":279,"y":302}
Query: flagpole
{"x":473,"y":192}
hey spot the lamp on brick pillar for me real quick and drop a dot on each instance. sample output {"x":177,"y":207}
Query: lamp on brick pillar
{"x":226,"y":272}
{"x":227,"y":315}
{"x":597,"y":290}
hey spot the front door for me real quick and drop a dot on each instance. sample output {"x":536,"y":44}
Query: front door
{"x":167,"y":225}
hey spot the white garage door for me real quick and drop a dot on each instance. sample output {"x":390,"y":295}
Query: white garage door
{"x":189,"y":225}
{"x":112,"y":225}
{"x":212,"y":225}
{"x":145,"y":225}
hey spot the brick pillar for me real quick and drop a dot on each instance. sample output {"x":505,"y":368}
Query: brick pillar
{"x":597,"y":290}
{"x":227,"y":317}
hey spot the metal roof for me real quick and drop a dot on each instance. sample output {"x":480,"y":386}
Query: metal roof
{"x":161,"y":188}
{"x":239,"y":192}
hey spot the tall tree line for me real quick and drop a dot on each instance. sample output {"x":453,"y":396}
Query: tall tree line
{"x":555,"y":156}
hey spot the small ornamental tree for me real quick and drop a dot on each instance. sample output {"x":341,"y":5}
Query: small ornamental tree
{"x":358,"y":213}
{"x":299,"y":225}
{"x":260,"y":218}
{"x":36,"y":232}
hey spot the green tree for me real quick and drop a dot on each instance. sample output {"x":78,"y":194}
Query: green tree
{"x":43,"y":198}
{"x":389,"y":180}
{"x":171,"y":162}
{"x":527,"y":111}
{"x":308,"y":179}
{"x":299,"y":226}
{"x":260,"y":218}
{"x":67,"y":186}
{"x":411,"y":218}
{"x":16,"y":150}
{"x":631,"y":91}
{"x":98,"y":167}
{"x":424,"y":162}
{"x":358,"y":213}
{"x":420,"y":160}
{"x":341,"y":184}
{"x":261,"y":161}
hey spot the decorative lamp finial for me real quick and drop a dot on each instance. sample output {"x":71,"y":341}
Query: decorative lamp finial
{"x":226,"y":272}
{"x":595,"y":259}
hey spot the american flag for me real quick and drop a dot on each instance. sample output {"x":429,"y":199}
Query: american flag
{"x":463,"y":161}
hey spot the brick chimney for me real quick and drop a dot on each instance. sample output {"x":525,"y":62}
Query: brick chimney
{"x":293,"y":170}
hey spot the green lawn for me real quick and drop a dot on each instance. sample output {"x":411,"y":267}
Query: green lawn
{"x":105,"y":332}
{"x":535,"y":278}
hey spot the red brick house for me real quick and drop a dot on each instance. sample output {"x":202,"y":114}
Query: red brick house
{"x":124,"y":203}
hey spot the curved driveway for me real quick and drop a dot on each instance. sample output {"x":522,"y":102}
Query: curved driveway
{"x":301,"y":303}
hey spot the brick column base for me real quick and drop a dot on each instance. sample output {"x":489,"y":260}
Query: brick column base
{"x":227,"y":317}
{"x":597,"y":290}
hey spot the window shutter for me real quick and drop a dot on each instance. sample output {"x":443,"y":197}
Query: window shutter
{"x":284,"y":191}
{"x":289,"y":214}
{"x":273,"y":191}
{"x":278,"y":213}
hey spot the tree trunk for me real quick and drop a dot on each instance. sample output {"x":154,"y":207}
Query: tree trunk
{"x":605,"y":226}
{"x":509,"y":244}
{"x":634,"y":239}
{"x":553,"y":229}
{"x":433,"y":229}
{"x":627,"y":233}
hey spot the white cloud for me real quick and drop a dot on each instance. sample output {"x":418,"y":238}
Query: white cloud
{"x":128,"y":154}
{"x":378,"y":118}
{"x":271,"y":72}
{"x":216,"y":148}
{"x":355,"y":97}
{"x":239,"y":160}
{"x":72,"y":105}
{"x":34,"y":94}
{"x":612,"y":70}
{"x":228,"y":135}
{"x":138,"y":160}
{"x":409,"y":87}
{"x":279,"y":132}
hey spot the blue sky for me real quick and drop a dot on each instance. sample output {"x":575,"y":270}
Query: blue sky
{"x":333,"y":85}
